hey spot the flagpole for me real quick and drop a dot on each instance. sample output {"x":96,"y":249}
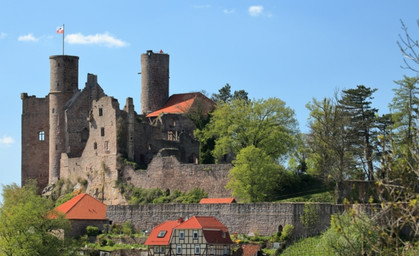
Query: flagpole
{"x":63,"y":38}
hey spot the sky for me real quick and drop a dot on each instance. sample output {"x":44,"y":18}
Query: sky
{"x":293,"y":50}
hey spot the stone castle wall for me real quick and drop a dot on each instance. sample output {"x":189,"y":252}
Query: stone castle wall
{"x":263,"y":218}
{"x":169,"y":173}
{"x":35,"y":138}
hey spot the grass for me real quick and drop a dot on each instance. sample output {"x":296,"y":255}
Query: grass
{"x":312,"y":246}
{"x":322,"y":197}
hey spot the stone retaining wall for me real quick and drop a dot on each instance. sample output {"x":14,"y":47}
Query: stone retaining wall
{"x":263,"y":218}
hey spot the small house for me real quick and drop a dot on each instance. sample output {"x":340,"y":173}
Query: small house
{"x":83,"y":210}
{"x":199,"y":235}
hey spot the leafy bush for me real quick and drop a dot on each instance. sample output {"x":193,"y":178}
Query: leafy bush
{"x":138,"y":196}
{"x":92,"y":231}
{"x":127,"y":228}
{"x":286,"y":233}
{"x":351,"y":235}
{"x":310,"y":216}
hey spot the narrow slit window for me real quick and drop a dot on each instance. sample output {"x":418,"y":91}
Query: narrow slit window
{"x":102,"y":131}
{"x":100,"y":111}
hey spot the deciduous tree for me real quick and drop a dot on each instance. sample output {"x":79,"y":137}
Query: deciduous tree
{"x":25,"y":226}
{"x":254,"y":175}
{"x":265,"y":124}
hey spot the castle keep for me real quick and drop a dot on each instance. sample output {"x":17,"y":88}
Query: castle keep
{"x":83,"y":135}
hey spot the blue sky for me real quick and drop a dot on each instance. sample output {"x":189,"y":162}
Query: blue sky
{"x":294,"y":50}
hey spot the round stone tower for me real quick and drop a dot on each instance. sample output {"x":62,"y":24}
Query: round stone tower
{"x":64,"y":77}
{"x":154,"y":81}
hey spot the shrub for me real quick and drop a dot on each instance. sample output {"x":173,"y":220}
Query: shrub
{"x":286,"y":233}
{"x":127,"y":228}
{"x":92,"y":231}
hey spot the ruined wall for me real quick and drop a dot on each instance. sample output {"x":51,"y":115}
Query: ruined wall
{"x":77,"y":113}
{"x":98,"y":163}
{"x":35,"y":139}
{"x":169,"y":173}
{"x":264,"y":218}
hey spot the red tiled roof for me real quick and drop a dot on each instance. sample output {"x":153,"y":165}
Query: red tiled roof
{"x":182,"y":103}
{"x":217,"y":201}
{"x":83,"y":207}
{"x":167,"y":226}
{"x":202,"y":222}
{"x":217,"y":237}
{"x":248,"y":250}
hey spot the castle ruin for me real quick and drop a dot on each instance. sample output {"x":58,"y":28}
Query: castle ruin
{"x":83,"y":134}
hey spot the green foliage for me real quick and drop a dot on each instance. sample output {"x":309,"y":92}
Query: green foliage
{"x":350,"y":236}
{"x":313,"y":246}
{"x":356,"y":107}
{"x":322,"y":197}
{"x":286,"y":233}
{"x":329,"y":156}
{"x":224,"y":95}
{"x":26,"y":226}
{"x":254,"y":175}
{"x":92,"y":231}
{"x":127,"y":228}
{"x":265,"y":124}
{"x":310,"y":216}
{"x":138,"y":196}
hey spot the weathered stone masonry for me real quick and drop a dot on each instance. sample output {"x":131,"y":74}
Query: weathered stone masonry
{"x":264,"y":218}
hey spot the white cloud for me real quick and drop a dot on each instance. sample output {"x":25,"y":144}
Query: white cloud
{"x":101,"y":39}
{"x":28,"y":38}
{"x":2,"y":35}
{"x":6,"y":140}
{"x":227,"y":11}
{"x":255,"y":10}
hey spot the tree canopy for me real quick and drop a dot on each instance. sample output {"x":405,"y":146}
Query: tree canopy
{"x":26,"y":228}
{"x":266,"y":124}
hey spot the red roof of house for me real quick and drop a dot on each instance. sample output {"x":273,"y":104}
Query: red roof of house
{"x":217,"y":200}
{"x":182,"y":103}
{"x":217,"y":237}
{"x":167,"y":227}
{"x":214,"y":231}
{"x":248,"y":250}
{"x":202,"y":222}
{"x":83,"y":207}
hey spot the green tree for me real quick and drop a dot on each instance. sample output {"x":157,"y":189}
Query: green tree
{"x":224,"y":95}
{"x":26,"y":228}
{"x":329,"y":157}
{"x":265,"y":124}
{"x":253,"y":176}
{"x":356,"y":106}
{"x":405,"y":109}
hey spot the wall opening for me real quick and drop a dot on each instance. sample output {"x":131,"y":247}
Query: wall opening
{"x":41,"y":136}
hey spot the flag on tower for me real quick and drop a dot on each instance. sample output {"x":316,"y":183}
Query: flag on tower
{"x":60,"y":30}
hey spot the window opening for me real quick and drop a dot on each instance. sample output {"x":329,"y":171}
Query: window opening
{"x":41,"y":136}
{"x":102,"y":131}
{"x":162,"y":233}
{"x":179,"y":249}
{"x":197,"y":249}
{"x":195,"y":235}
{"x":181,"y":234}
{"x":100,"y":112}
